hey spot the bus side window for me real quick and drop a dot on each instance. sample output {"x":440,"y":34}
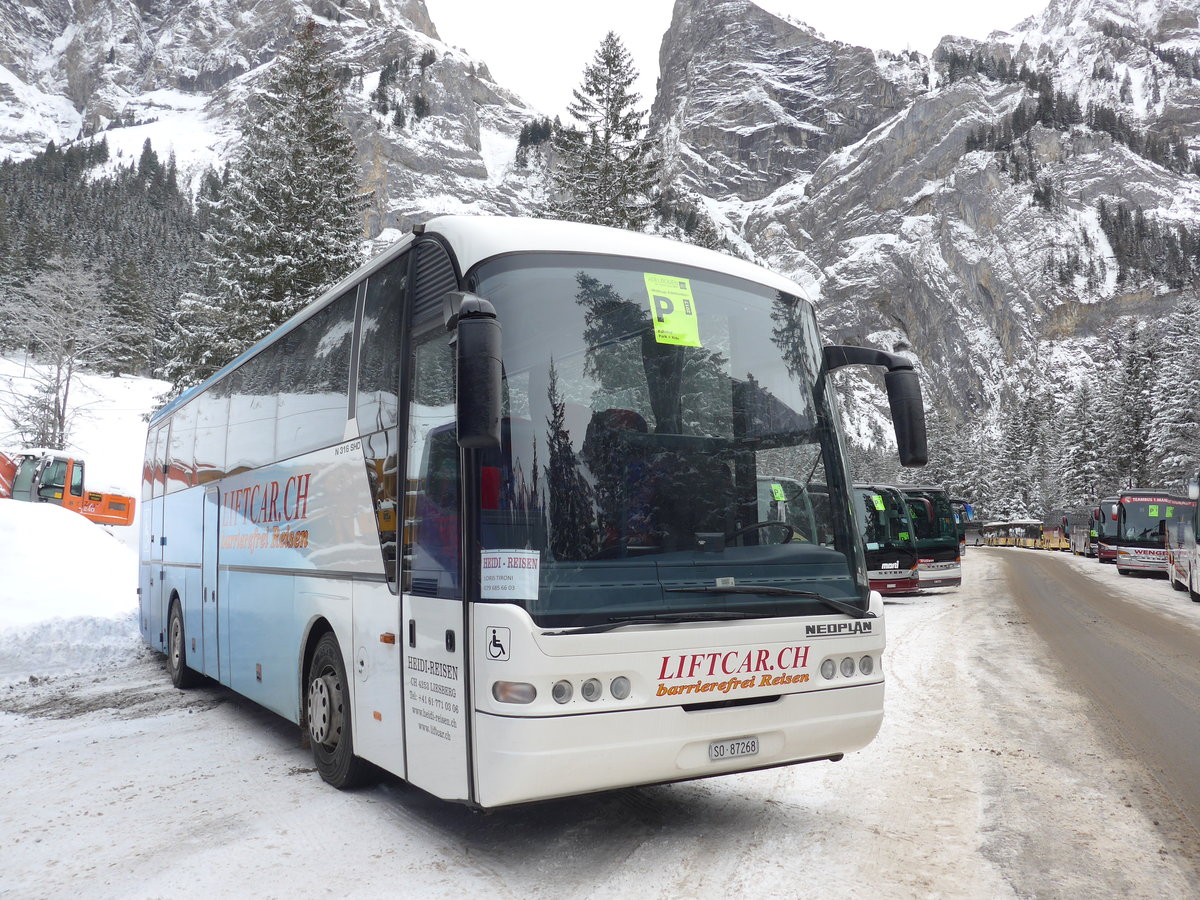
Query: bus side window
{"x":212,"y":410}
{"x":77,"y":479}
{"x":379,"y":356}
{"x":432,"y":515}
{"x":314,"y":374}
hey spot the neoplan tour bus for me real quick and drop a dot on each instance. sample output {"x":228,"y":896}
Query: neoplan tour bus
{"x":486,"y":515}
{"x":939,"y":562}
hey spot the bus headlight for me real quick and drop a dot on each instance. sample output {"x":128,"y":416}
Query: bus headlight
{"x":514,"y":692}
{"x":848,"y":667}
{"x":828,"y":669}
{"x":591,"y":690}
{"x":620,"y":687}
{"x":562,"y":691}
{"x":866,"y":665}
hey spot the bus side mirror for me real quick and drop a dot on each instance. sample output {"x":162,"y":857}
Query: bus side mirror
{"x":1096,"y":514}
{"x":904,"y":396}
{"x":908,"y":416}
{"x":1194,"y":489}
{"x":477,"y":353}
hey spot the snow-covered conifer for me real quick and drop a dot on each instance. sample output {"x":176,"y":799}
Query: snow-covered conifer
{"x":287,"y":223}
{"x":606,"y":167}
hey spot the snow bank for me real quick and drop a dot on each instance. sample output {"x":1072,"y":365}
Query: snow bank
{"x":68,"y":593}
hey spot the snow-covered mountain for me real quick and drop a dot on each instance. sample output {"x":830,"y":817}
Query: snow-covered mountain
{"x":874,"y":177}
{"x":892,"y":184}
{"x":180,"y":72}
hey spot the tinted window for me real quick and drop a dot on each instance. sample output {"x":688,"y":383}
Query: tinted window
{"x":212,"y":409}
{"x":314,"y":373}
{"x":181,"y":463}
{"x":379,"y":359}
{"x":431,"y":524}
{"x":251,"y":440}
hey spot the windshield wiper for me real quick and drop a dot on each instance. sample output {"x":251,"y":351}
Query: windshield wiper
{"x":661,"y":619}
{"x":771,"y":591}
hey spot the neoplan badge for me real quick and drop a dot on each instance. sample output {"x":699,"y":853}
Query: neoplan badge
{"x":673,"y":310}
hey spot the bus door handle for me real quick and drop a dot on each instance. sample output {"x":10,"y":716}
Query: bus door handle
{"x":412,"y":632}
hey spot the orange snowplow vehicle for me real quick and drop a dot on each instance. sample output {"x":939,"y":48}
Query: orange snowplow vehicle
{"x":48,"y":476}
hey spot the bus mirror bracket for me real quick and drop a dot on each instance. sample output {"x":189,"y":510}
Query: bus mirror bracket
{"x":476,"y":329}
{"x":904,"y":396}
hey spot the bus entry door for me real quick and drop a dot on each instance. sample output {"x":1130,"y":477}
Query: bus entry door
{"x":209,"y":594}
{"x":435,"y":701}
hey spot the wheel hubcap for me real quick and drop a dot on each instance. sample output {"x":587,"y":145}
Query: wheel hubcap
{"x":176,"y":642}
{"x":325,"y":709}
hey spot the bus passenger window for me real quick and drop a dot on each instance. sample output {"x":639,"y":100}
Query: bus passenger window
{"x":379,"y":356}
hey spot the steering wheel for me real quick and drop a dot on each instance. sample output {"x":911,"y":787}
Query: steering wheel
{"x":758,"y":526}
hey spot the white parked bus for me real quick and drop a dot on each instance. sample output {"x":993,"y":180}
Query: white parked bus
{"x":529,"y":567}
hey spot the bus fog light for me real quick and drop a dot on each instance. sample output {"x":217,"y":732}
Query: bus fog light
{"x":562,"y":691}
{"x":828,"y":669}
{"x":514,"y":692}
{"x":620,"y":687}
{"x":591,"y":690}
{"x":866,"y":665}
{"x":848,"y":667}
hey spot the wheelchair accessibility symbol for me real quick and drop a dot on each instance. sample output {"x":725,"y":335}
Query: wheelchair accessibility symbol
{"x":497,"y":643}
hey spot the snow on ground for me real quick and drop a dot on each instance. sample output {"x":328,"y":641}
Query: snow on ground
{"x":989,"y":779}
{"x":68,"y":595}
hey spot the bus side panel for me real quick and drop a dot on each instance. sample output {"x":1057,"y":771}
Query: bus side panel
{"x":151,"y":622}
{"x":378,"y":692}
{"x":264,"y":631}
{"x":181,"y":566}
{"x":435,"y":707}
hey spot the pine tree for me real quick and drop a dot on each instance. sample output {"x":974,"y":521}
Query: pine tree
{"x":1175,"y":415}
{"x":285,"y":226}
{"x":606,"y":167}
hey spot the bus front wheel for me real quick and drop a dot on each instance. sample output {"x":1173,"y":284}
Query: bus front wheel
{"x":328,"y":714}
{"x":181,"y":676}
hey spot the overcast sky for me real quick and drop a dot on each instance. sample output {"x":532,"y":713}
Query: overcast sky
{"x":538,"y":48}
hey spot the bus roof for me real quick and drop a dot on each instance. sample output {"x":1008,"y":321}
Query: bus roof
{"x":477,"y":238}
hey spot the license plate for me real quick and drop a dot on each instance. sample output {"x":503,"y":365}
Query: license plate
{"x":732,"y":749}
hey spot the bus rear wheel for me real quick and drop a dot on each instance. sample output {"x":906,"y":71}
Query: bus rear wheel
{"x":181,"y":676}
{"x":328,"y":717}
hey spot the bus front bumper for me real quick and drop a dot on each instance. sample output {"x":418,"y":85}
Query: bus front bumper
{"x":523,"y":759}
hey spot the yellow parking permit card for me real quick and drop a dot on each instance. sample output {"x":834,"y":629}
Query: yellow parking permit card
{"x":673,"y":310}
{"x":877,"y":501}
{"x":777,"y":493}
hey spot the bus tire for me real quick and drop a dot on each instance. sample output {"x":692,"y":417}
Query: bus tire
{"x":327,"y":715}
{"x":1121,"y":571}
{"x":181,"y":676}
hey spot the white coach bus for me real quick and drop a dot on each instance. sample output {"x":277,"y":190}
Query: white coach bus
{"x":486,"y":515}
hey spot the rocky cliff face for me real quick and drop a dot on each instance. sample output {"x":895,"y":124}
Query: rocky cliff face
{"x":748,"y":102}
{"x":916,"y":240}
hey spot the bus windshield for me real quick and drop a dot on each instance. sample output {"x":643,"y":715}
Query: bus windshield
{"x":1146,"y":518}
{"x":933,"y":517}
{"x":664,"y":428}
{"x":884,"y":519}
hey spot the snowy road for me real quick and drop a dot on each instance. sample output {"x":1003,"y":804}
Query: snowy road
{"x":991,"y":778}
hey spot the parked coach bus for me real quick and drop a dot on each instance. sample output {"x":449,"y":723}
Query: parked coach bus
{"x":1143,"y":516}
{"x":939,"y":561}
{"x":888,"y":539}
{"x":515,"y":568}
{"x":1183,"y":561}
{"x":1106,"y":530}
